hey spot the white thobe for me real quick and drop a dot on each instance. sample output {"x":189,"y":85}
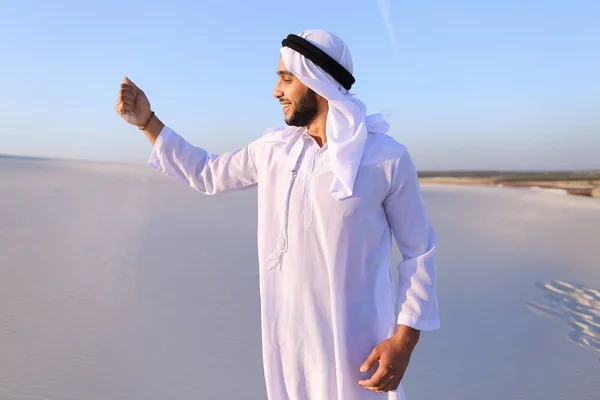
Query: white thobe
{"x":326,"y":288}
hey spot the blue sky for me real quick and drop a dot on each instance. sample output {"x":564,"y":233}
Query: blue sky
{"x":468,"y":84}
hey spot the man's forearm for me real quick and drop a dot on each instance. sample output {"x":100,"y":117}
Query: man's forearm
{"x":153,"y":129}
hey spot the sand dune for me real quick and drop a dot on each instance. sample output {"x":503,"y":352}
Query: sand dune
{"x":117,"y":283}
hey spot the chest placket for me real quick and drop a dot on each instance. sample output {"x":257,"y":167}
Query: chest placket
{"x":276,"y":258}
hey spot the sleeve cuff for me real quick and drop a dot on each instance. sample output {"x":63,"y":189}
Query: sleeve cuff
{"x":154,"y":161}
{"x":419,"y":324}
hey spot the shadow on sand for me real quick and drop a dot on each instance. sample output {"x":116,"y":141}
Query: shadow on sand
{"x":578,"y":305}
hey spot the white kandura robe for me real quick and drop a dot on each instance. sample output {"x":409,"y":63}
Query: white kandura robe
{"x":330,"y":300}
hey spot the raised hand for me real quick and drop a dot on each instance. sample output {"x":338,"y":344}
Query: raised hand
{"x":132,"y":104}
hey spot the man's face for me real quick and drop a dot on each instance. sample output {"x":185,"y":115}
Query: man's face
{"x":299,"y":102}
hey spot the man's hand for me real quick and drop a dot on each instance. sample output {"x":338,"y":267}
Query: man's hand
{"x":132,"y":104}
{"x":393,"y":355}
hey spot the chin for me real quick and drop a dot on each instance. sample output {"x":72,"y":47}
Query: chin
{"x":289,"y":120}
{"x":291,"y":123}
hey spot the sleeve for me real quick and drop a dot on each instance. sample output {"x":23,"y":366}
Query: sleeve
{"x":417,"y":241}
{"x":209,"y":174}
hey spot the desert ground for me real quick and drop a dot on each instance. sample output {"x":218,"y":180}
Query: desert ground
{"x":118,"y":283}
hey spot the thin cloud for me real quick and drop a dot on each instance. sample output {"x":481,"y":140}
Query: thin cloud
{"x":385,"y":10}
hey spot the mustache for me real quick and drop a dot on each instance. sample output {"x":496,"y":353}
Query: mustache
{"x":282,"y":100}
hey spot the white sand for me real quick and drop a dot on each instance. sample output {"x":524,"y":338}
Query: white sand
{"x":117,"y":283}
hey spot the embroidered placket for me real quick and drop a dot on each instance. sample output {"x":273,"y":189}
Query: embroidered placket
{"x":276,"y":258}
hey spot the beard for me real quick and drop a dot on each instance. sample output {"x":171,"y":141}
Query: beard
{"x":304,"y":111}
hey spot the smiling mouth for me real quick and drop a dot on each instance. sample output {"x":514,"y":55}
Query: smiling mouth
{"x":286,"y":106}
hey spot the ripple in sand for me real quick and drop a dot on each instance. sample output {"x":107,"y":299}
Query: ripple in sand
{"x":578,"y":305}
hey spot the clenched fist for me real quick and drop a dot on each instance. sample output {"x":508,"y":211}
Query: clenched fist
{"x":132,"y":104}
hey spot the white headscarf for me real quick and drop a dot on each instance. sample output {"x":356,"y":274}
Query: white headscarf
{"x":347,"y":122}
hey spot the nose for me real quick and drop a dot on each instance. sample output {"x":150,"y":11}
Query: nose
{"x":277,"y":92}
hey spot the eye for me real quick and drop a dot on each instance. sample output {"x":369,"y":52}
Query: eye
{"x":287,"y":80}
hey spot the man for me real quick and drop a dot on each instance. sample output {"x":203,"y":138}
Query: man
{"x":332,"y":189}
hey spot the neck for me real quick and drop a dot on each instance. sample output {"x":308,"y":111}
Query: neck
{"x":317,"y":128}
